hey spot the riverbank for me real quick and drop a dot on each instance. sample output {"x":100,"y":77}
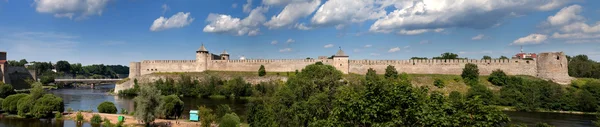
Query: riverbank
{"x":512,"y":109}
{"x":131,"y":121}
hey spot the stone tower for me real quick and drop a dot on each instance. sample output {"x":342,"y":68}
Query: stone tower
{"x":340,"y":61}
{"x":553,"y":66}
{"x":202,"y":59}
{"x":3,"y":66}
{"x":224,"y":55}
{"x":134,"y":69}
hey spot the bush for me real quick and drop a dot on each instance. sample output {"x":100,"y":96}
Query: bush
{"x":10,"y":103}
{"x":6,"y":90}
{"x":470,"y":74}
{"x":107,"y":107}
{"x":107,"y":123}
{"x":262,"y":71}
{"x":439,"y":83}
{"x":498,"y":78}
{"x":222,"y":110}
{"x":79,"y":117}
{"x":485,"y":94}
{"x":230,"y":120}
{"x":44,"y":106}
{"x":171,"y":106}
{"x":391,"y":72}
{"x":58,"y":115}
{"x":24,"y":105}
{"x":206,"y":116}
{"x":124,"y":111}
{"x":96,"y":119}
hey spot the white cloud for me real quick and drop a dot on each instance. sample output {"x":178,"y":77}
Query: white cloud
{"x":248,"y":6}
{"x":416,"y":32}
{"x":282,"y":2}
{"x":566,"y":16}
{"x":70,"y":8}
{"x":432,"y":14}
{"x":178,"y":20}
{"x":165,"y":7}
{"x":291,"y":13}
{"x":338,"y":12}
{"x":285,"y":50}
{"x":274,"y":42}
{"x":396,"y":49}
{"x":219,"y":23}
{"x":290,"y":41}
{"x":374,"y":54}
{"x":478,"y":37}
{"x":328,"y":46}
{"x":368,"y":46}
{"x":531,"y":39}
{"x":301,"y":26}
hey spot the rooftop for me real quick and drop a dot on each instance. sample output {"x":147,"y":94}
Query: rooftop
{"x":202,"y":49}
{"x":340,"y":53}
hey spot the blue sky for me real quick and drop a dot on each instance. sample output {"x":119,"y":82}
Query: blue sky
{"x":122,"y":31}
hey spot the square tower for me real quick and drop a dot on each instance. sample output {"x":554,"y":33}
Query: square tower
{"x":340,"y":61}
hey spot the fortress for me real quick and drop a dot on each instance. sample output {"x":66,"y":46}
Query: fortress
{"x":550,"y":66}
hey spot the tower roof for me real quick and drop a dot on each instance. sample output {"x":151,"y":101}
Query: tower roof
{"x":224,"y":53}
{"x":340,"y":53}
{"x":202,"y":49}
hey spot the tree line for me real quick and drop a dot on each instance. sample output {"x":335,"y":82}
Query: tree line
{"x":36,"y":104}
{"x":66,"y":70}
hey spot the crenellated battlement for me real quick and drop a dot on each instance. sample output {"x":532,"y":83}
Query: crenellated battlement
{"x":168,"y":61}
{"x":271,"y":61}
{"x":440,"y":61}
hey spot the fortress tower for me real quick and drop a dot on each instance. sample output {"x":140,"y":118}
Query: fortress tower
{"x":224,"y":55}
{"x":202,"y":59}
{"x":553,"y":66}
{"x":3,"y":68}
{"x":340,"y":61}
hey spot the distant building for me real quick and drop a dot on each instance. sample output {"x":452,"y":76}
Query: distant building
{"x":523,"y":55}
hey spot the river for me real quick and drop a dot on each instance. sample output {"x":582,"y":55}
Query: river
{"x":89,"y":99}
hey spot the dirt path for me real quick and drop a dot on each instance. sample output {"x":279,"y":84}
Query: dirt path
{"x":130,"y":120}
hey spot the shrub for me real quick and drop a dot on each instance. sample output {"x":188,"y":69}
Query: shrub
{"x":96,"y":119}
{"x":10,"y":103}
{"x":498,"y":78}
{"x":262,"y":71}
{"x":470,"y":74}
{"x":79,"y":117}
{"x":24,"y":105}
{"x":58,"y":115}
{"x":206,"y":116}
{"x":439,"y":83}
{"x":44,"y":106}
{"x":391,"y":72}
{"x":485,"y":94}
{"x":124,"y":111}
{"x":171,"y":106}
{"x":543,"y":125}
{"x":69,"y":109}
{"x":107,"y":107}
{"x":107,"y":123}
{"x":404,"y":77}
{"x":230,"y":120}
{"x":6,"y":90}
{"x":222,"y":110}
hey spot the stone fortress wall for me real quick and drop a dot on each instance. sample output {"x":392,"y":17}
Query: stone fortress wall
{"x":551,"y":66}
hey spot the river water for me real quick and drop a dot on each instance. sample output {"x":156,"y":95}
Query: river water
{"x":89,"y":99}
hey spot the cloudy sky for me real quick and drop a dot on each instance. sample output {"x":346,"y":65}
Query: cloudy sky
{"x":121,"y":31}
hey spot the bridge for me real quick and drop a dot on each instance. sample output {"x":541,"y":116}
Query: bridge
{"x":92,"y":82}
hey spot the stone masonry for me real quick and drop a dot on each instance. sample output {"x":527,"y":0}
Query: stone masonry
{"x":550,"y":66}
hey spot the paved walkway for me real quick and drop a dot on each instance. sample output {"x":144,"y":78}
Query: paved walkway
{"x":130,"y":120}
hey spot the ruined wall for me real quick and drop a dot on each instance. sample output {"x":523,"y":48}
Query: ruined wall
{"x":152,"y":66}
{"x":270,"y":65}
{"x":450,"y":66}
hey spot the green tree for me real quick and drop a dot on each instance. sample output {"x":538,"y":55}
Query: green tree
{"x":262,"y":71}
{"x":371,"y":75}
{"x":470,"y":74}
{"x":147,"y":103}
{"x":503,"y":58}
{"x":498,"y":78}
{"x":107,"y":107}
{"x":44,"y":106}
{"x":418,"y":58}
{"x":222,"y":110}
{"x":206,"y":115}
{"x":96,"y":119}
{"x":10,"y":103}
{"x":447,"y":55}
{"x":63,"y":66}
{"x":486,"y":95}
{"x":230,"y":120}
{"x":24,"y":106}
{"x":486,"y":58}
{"x":48,"y":77}
{"x":6,"y":90}
{"x":391,"y":72}
{"x":171,"y":106}
{"x":79,"y":117}
{"x":107,"y":123}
